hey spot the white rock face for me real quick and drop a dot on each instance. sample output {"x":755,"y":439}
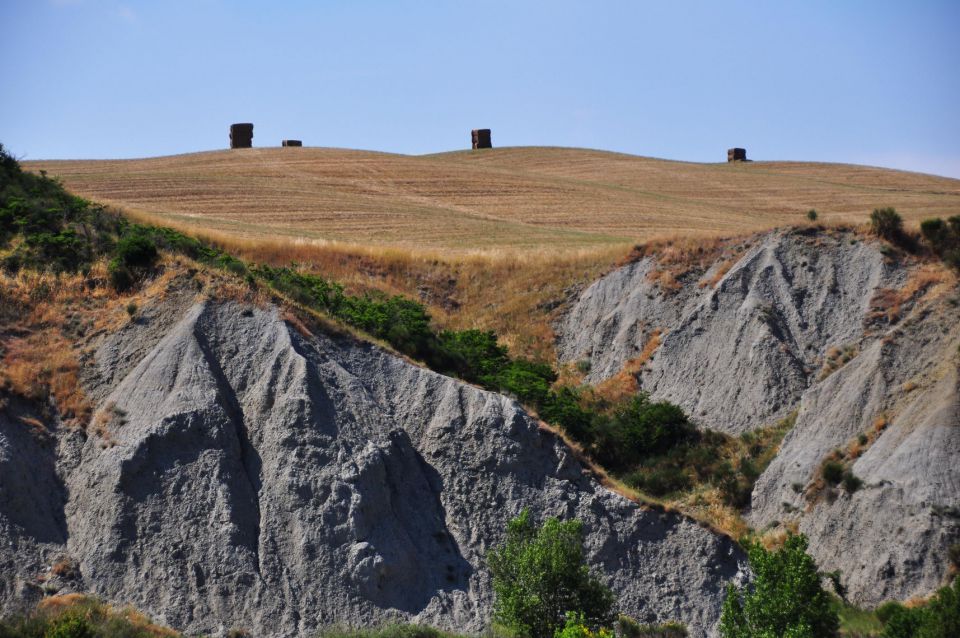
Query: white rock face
{"x":747,"y":352}
{"x":254,"y":477}
{"x":736,"y":356}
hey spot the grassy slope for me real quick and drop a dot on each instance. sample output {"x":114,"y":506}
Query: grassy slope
{"x":526,"y":198}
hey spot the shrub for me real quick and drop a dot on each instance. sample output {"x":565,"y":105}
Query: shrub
{"x":527,"y":380}
{"x":539,"y":576}
{"x":70,"y":627}
{"x":629,"y":628}
{"x":784,"y":599}
{"x":577,"y":627}
{"x":851,"y":483}
{"x":660,"y":481}
{"x":134,"y":255}
{"x":832,"y":472}
{"x":563,"y":408}
{"x":476,"y":353}
{"x":639,"y":429}
{"x":940,"y":618}
{"x":812,"y":215}
{"x":887,"y":223}
{"x":136,"y":251}
{"x":935,"y":232}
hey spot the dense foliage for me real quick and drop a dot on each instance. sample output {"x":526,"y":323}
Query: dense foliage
{"x":943,"y":237}
{"x":785,"y":599}
{"x":939,"y":618}
{"x":539,"y":576}
{"x":52,"y":229}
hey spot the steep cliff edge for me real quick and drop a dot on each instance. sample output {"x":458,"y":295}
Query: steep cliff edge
{"x":862,"y":344}
{"x":243,"y":473}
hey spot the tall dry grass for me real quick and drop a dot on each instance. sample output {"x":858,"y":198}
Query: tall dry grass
{"x":514,"y":293}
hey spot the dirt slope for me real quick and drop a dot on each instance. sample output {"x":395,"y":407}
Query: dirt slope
{"x":500,"y":198}
{"x":247,"y":474}
{"x":861,"y":343}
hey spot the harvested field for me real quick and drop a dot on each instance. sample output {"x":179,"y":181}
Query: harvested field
{"x":518,"y":198}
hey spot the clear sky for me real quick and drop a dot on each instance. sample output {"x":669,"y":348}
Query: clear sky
{"x":871,"y":81}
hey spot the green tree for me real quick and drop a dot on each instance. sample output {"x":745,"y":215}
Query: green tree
{"x":539,"y":575}
{"x":785,"y":599}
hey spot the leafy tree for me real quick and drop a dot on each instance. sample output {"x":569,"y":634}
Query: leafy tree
{"x":539,"y":576}
{"x":785,"y":599}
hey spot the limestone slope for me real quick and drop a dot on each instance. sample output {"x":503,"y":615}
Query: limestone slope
{"x":248,"y":475}
{"x":855,"y":342}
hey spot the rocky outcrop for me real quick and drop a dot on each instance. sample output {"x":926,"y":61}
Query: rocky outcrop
{"x":246,"y":474}
{"x":889,"y":538}
{"x":739,"y":354}
{"x":752,"y":348}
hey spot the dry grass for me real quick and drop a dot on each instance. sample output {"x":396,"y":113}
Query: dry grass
{"x":835,"y":358}
{"x":520,"y":198}
{"x":926,"y":282}
{"x":716,"y":516}
{"x":512,"y":293}
{"x":487,"y":240}
{"x":93,"y":608}
{"x":624,"y":384}
{"x":42,"y":340}
{"x":774,"y":539}
{"x":706,"y":504}
{"x":39,"y":356}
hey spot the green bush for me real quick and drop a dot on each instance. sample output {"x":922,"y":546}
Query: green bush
{"x":134,"y":255}
{"x":935,"y":232}
{"x":943,"y":238}
{"x":832,"y":472}
{"x":563,"y":408}
{"x":851,"y":483}
{"x":887,"y":223}
{"x":527,"y":380}
{"x":629,"y":628}
{"x":637,"y":430}
{"x":539,"y":576}
{"x":660,"y":481}
{"x":736,"y":490}
{"x":68,"y":627}
{"x":477,"y":355}
{"x":812,"y":215}
{"x":785,"y":598}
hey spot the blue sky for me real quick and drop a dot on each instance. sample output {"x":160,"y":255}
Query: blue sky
{"x":871,"y":82}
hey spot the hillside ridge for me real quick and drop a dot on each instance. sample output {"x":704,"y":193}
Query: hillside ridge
{"x":518,"y":198}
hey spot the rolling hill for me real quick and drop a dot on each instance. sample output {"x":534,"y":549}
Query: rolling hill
{"x":531,"y":197}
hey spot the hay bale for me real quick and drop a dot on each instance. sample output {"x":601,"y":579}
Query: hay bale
{"x":736,"y":155}
{"x":291,"y":143}
{"x":480,"y":138}
{"x":241,"y":135}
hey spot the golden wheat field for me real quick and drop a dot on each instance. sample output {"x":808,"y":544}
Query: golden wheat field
{"x":508,"y":198}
